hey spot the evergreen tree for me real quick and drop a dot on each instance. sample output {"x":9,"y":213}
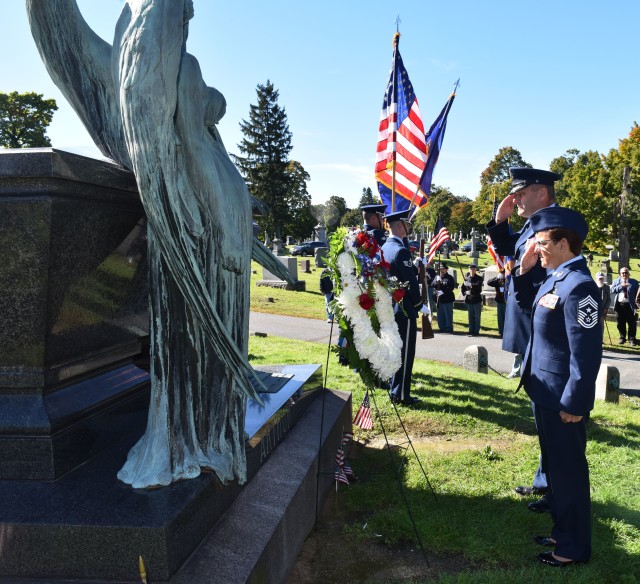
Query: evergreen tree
{"x":265,"y":162}
{"x":367,"y":198}
{"x":24,"y":118}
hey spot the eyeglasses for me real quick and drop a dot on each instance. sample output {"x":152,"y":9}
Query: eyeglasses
{"x":624,"y":273}
{"x":543,"y":242}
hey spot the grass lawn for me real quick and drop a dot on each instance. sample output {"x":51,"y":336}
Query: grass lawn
{"x":476,"y":440}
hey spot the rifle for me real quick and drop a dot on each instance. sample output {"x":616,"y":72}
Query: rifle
{"x":427,"y":329}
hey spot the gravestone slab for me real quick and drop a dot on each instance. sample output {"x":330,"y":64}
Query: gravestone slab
{"x":476,"y":359}
{"x":608,"y":383}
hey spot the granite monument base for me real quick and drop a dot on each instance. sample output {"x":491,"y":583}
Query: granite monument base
{"x":86,"y":526}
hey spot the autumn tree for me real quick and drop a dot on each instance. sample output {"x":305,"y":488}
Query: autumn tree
{"x":627,"y":154}
{"x":584,"y":187}
{"x":24,"y":119}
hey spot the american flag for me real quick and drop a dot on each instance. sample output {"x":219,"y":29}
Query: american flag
{"x":349,"y":471}
{"x":401,"y":138}
{"x":363,"y":416}
{"x":340,"y":457}
{"x":340,"y":477}
{"x":346,"y":438}
{"x":498,"y":259}
{"x":440,"y":235}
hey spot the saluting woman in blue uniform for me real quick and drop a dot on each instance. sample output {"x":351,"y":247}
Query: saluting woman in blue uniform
{"x":559,"y":374}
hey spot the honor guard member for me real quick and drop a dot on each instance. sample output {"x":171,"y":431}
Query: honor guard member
{"x":532,"y":189}
{"x":399,"y":257}
{"x":560,"y":367}
{"x":372,"y":218}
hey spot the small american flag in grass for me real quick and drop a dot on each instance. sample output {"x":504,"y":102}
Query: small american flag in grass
{"x":363,"y":416}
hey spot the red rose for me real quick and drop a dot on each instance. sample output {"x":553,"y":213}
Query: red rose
{"x":366,"y":302}
{"x":398,"y":294}
{"x":362,"y":239}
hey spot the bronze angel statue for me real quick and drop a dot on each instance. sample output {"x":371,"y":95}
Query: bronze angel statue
{"x":146,"y":106}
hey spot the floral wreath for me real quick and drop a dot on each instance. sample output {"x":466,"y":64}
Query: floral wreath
{"x":364,"y":290}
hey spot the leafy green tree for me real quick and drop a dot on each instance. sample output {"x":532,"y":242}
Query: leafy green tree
{"x":24,"y":119}
{"x":441,"y":201}
{"x":301,"y":221}
{"x":352,"y":217}
{"x":461,"y":218}
{"x":495,"y":183}
{"x":265,"y":162}
{"x":334,"y":209}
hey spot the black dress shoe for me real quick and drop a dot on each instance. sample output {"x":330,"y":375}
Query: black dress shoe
{"x":410,"y":401}
{"x":539,"y":506}
{"x":525,"y":491}
{"x":544,"y":540}
{"x":548,"y":559}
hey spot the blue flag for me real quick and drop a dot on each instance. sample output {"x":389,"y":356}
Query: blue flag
{"x":434,"y":138}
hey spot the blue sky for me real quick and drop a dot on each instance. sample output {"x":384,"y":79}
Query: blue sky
{"x":540,"y":76}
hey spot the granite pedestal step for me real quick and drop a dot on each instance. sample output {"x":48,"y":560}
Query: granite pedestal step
{"x":88,"y":527}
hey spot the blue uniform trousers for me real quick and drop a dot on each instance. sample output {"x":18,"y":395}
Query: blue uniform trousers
{"x":474,"y":312}
{"x":502,"y":308}
{"x":563,"y":457}
{"x":401,"y":381}
{"x":445,"y":317}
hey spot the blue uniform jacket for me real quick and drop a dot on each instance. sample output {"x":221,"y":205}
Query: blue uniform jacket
{"x":402,"y":268}
{"x":380,"y":235}
{"x":632,"y":291}
{"x":563,"y":356}
{"x":517,"y":320}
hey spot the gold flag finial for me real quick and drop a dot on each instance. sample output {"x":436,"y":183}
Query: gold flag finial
{"x":143,"y":570}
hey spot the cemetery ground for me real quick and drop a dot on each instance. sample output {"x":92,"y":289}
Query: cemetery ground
{"x":476,"y":440}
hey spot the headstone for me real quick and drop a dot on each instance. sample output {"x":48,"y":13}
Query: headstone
{"x":608,"y":383}
{"x":274,"y":281}
{"x":320,"y":233}
{"x":305,"y":266}
{"x":267,"y":241}
{"x":321,"y":254}
{"x":278,"y":248}
{"x":290,"y":240}
{"x":476,"y":359}
{"x":613,"y":255}
{"x":256,"y":229}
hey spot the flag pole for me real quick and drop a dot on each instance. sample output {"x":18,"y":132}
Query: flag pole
{"x":396,"y":40}
{"x":448,"y":107}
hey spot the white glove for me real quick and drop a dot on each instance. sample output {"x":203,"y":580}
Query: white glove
{"x":419,"y":261}
{"x":425,"y":309}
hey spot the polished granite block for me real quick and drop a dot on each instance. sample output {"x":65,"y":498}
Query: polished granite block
{"x":95,"y":527}
{"x":73,"y":280}
{"x":73,"y":301}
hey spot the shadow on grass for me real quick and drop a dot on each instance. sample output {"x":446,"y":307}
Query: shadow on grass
{"x":508,"y":410}
{"x":475,"y":399}
{"x":491,"y":532}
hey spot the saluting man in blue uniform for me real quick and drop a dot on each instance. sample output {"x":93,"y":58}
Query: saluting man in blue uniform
{"x":560,"y":367}
{"x":399,"y":257}
{"x":532,"y":189}
{"x":372,"y":217}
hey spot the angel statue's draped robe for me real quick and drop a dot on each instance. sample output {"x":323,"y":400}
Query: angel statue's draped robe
{"x":145,"y":104}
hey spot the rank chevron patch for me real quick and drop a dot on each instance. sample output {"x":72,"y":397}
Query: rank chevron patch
{"x":588,"y":312}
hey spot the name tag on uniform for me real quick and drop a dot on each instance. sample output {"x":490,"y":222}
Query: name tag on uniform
{"x":549,"y":301}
